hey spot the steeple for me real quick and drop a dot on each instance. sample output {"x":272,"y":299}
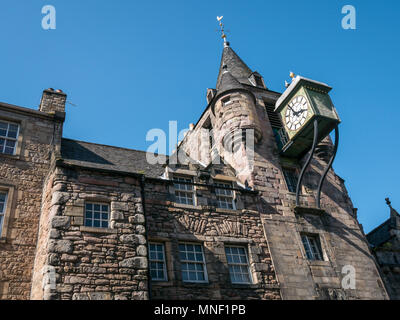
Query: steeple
{"x":232,"y":64}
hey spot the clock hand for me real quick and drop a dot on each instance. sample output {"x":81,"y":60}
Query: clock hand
{"x":299,"y":112}
{"x":289,"y":107}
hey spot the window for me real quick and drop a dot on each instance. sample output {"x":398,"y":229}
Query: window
{"x":192,"y":262}
{"x":238,"y":264}
{"x":312,"y":246}
{"x":96,"y":215}
{"x":8,"y":137}
{"x":280,"y":137}
{"x":224,"y":196}
{"x":158,"y":270}
{"x":259,"y":82}
{"x":291,"y":179}
{"x":226,"y":101}
{"x":3,"y":201}
{"x":184,"y":191}
{"x":276,"y":124}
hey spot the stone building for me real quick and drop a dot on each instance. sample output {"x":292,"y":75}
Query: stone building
{"x":88,"y":221}
{"x":385,"y":245}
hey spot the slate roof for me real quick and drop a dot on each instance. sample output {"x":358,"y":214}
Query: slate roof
{"x":228,"y":82}
{"x":238,"y":69}
{"x":382,"y":233}
{"x":100,"y":157}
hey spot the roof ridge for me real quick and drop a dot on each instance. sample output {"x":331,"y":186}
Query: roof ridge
{"x":110,"y":146}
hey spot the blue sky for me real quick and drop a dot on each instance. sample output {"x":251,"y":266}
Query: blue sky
{"x":130,"y":66}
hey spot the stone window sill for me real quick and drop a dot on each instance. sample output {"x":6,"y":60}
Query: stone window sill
{"x":3,"y":240}
{"x":98,"y":230}
{"x":195,"y":284}
{"x":161,"y":283}
{"x":319,"y":263}
{"x":186,"y":206}
{"x":220,"y":210}
{"x":244,"y":285}
{"x":9,"y":156}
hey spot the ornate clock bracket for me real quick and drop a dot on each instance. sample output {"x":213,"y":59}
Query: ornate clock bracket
{"x":299,"y":182}
{"x":307,"y":163}
{"x":321,"y":181}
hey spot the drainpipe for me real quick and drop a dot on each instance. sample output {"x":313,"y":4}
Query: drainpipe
{"x":142,"y":183}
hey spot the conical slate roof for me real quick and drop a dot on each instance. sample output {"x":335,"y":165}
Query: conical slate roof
{"x":228,"y":81}
{"x":236,"y":67}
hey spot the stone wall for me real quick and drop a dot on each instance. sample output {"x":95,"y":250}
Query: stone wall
{"x":92,"y":263}
{"x":385,"y":243}
{"x":24,"y":174}
{"x":388,"y":257}
{"x":171,"y":223}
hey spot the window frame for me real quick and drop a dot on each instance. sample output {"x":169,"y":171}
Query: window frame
{"x":195,"y":262}
{"x":219,"y":195}
{"x":317,"y":245}
{"x":288,"y":184}
{"x":6,"y":138}
{"x":93,"y":203}
{"x":8,"y":189}
{"x":190,"y":183}
{"x":4,"y":211}
{"x":164,"y":261}
{"x":251,"y":281}
{"x":226,"y":101}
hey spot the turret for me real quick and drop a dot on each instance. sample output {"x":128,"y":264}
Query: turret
{"x":233,"y":111}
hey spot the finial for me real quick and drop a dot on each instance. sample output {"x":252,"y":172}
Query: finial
{"x":286,"y":84}
{"x":222,"y":29}
{"x":292,"y":75}
{"x":388,"y":202}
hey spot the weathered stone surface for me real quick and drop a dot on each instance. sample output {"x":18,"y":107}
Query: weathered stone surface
{"x":129,"y":239}
{"x":75,"y":280}
{"x":141,"y":250}
{"x":136,"y":262}
{"x":60,"y":198}
{"x":117,"y":215}
{"x":99,"y":295}
{"x":138,"y":218}
{"x":60,"y":246}
{"x":80,"y":296}
{"x":119,"y":206}
{"x":61,"y":222}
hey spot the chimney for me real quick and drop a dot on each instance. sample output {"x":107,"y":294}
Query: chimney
{"x":53,"y":102}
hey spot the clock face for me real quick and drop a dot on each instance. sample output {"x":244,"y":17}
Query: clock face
{"x":296,"y":113}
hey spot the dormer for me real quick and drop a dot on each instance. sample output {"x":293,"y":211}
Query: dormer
{"x":257,"y":80}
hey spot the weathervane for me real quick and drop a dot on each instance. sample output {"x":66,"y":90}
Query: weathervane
{"x":222,"y":29}
{"x":292,"y":76}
